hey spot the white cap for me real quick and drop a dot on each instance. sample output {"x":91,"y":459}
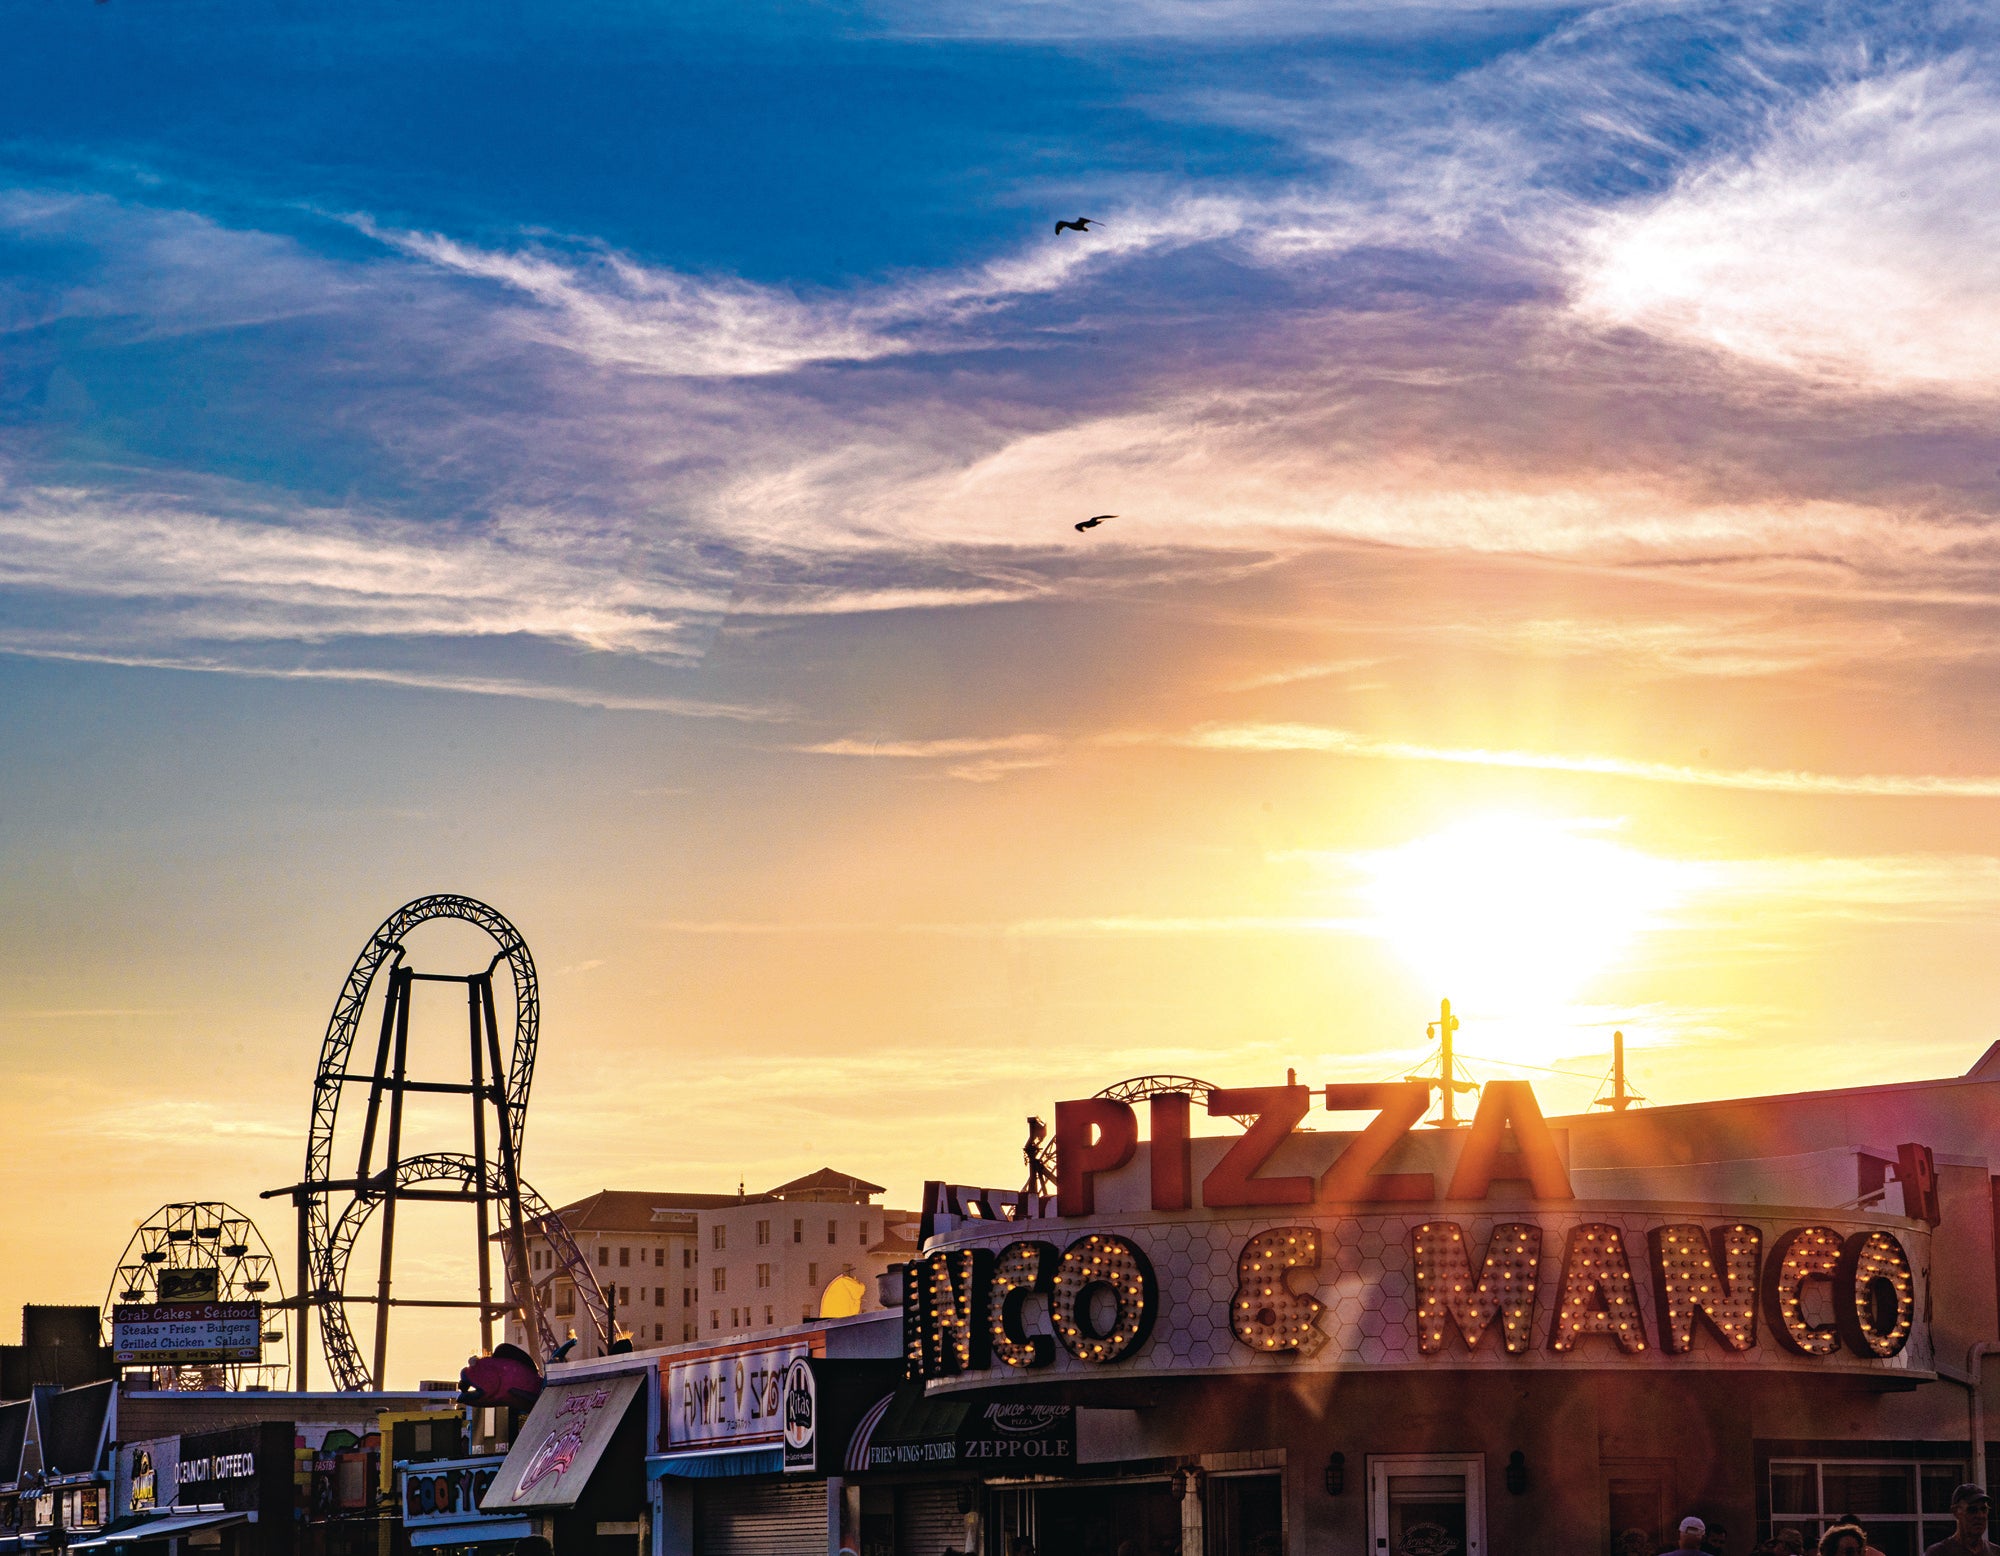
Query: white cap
{"x":1691,"y":1522}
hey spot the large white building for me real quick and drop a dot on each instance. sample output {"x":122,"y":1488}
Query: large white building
{"x":682,"y":1267}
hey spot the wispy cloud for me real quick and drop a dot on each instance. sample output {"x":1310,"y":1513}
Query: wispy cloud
{"x":620,"y":312}
{"x":1341,"y":742}
{"x":305,"y":574}
{"x":972,"y":759}
{"x":927,"y":750}
{"x":1856,"y":246}
{"x":416,"y":680}
{"x":1112,"y":926}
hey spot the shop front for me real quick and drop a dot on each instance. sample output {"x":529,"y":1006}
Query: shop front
{"x":752,"y":1432}
{"x":1518,"y":1334}
{"x":718,"y":1485}
{"x":576,"y":1473}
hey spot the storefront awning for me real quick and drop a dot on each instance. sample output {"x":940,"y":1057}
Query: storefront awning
{"x":910,"y":1430}
{"x":167,"y":1528}
{"x":717,"y":1463}
{"x":471,"y":1531}
{"x":560,"y":1443}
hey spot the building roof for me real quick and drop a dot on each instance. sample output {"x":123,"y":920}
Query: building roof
{"x":826,"y":1184}
{"x":671,"y":1210}
{"x":898,"y":1240}
{"x":632,"y":1210}
{"x":13,"y":1435}
{"x":72,"y":1427}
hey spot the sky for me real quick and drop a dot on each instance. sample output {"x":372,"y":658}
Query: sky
{"x":620,"y":462}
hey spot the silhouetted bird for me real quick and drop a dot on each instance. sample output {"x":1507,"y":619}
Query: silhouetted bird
{"x":1081,"y":224}
{"x":1093,"y":523}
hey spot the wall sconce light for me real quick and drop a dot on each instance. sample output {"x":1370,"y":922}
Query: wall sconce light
{"x":1335,"y":1476}
{"x":1517,"y":1472}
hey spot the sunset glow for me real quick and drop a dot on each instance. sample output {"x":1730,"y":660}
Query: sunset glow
{"x":1517,"y":913}
{"x":622,"y":464}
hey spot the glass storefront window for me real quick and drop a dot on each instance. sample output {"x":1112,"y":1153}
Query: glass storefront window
{"x":1869,"y":1488}
{"x":1899,"y":1502}
{"x":1794,"y":1489}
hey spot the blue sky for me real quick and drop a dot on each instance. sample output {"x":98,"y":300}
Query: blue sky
{"x":621,"y":461}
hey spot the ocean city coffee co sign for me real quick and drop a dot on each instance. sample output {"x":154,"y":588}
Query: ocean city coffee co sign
{"x":1338,"y":1268}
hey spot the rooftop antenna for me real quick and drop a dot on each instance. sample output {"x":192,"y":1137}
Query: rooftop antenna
{"x":1447,"y":1082}
{"x":1621,"y":1096}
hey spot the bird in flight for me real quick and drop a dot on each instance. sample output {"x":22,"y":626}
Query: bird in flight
{"x":1081,"y":224}
{"x":1092,"y":523}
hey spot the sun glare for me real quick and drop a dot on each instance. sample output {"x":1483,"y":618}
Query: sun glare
{"x":1516,"y":913}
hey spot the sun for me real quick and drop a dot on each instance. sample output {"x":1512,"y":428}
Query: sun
{"x":1516,"y":913}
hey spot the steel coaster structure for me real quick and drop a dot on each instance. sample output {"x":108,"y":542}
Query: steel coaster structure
{"x":497,"y":1089}
{"x":196,"y":1237}
{"x":439,"y":1167}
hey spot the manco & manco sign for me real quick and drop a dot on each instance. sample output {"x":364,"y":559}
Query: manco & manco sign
{"x":1305,"y":1250}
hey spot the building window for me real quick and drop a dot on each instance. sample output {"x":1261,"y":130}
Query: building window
{"x":659,"y":1332}
{"x":812,"y":1274}
{"x":768,"y":1317}
{"x":624,"y":1296}
{"x":687,"y":1258}
{"x":565,"y":1300}
{"x":763,"y":1233}
{"x":1907,"y":1501}
{"x":763,"y":1276}
{"x":603,"y":1255}
{"x":735,"y":1318}
{"x":863,"y":1229}
{"x":832,"y":1230}
{"x":687,"y":1331}
{"x":798,"y":1231}
{"x":659,"y":1258}
{"x":714,"y":1319}
{"x":721,"y":1233}
{"x":624,"y":1258}
{"x":719,"y":1278}
{"x":806,"y":1314}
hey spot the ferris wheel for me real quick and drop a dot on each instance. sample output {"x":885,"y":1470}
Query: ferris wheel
{"x":211,"y":1252}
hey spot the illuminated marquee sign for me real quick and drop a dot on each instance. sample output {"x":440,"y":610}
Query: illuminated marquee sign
{"x":1354,"y":1265}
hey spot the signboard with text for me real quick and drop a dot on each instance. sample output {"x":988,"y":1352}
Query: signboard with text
{"x":165,"y":1333}
{"x":734,"y":1399}
{"x":1286,"y":1248}
{"x":560,"y":1443}
{"x":446,"y":1491}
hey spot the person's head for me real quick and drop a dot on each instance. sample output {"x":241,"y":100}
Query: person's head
{"x":1717,"y":1538}
{"x":1843,"y":1540}
{"x":1971,"y":1506}
{"x":1790,"y":1539}
{"x":1692,"y":1529}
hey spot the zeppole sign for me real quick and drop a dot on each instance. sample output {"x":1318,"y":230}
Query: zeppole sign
{"x":1284,"y":1248}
